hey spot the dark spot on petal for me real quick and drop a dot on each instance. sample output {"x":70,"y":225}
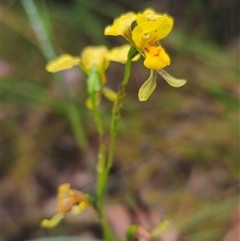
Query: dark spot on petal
{"x":133,"y":25}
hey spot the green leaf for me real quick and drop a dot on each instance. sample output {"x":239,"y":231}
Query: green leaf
{"x":45,"y":16}
{"x":62,"y":238}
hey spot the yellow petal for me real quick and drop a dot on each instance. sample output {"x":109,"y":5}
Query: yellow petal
{"x":63,"y":62}
{"x":171,"y":80}
{"x":76,"y":209}
{"x":63,"y":192}
{"x":147,"y":15}
{"x":88,"y":102}
{"x":119,"y":54}
{"x":53,"y":222}
{"x":148,"y":87}
{"x":154,"y":28}
{"x":109,"y":93}
{"x":121,"y":25}
{"x":165,"y":24}
{"x":156,"y":58}
{"x":145,"y":34}
{"x":94,"y":56}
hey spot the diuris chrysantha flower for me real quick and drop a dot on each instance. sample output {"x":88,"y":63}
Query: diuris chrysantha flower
{"x":91,"y":57}
{"x":144,"y":31}
{"x":68,"y":200}
{"x":149,"y":28}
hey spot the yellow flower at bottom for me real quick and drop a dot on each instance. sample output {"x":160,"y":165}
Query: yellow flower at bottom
{"x":68,"y":200}
{"x":65,"y":61}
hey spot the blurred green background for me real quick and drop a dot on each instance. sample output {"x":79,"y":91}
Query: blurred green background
{"x":177,"y":154}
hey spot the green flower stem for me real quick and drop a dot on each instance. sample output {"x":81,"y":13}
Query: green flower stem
{"x":103,"y":166}
{"x":97,"y":116}
{"x":101,"y":174}
{"x":100,"y":168}
{"x":116,"y":114}
{"x":48,"y":52}
{"x":102,"y":149}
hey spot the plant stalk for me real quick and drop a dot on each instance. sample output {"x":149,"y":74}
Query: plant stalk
{"x":104,"y":165}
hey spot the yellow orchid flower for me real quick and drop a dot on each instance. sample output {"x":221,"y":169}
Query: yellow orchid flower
{"x":68,"y":200}
{"x":150,"y":29}
{"x":144,"y":31}
{"x":91,"y":57}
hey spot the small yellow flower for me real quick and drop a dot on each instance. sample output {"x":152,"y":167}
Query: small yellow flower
{"x":68,"y":200}
{"x":91,"y":57}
